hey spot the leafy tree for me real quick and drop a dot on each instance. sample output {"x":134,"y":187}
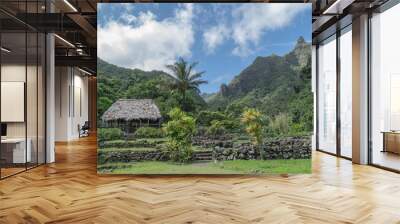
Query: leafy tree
{"x":103,"y":104}
{"x":185,"y":79}
{"x":253,"y":120}
{"x":179,"y":131}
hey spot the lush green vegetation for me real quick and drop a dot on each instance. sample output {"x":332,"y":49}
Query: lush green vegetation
{"x":179,"y":131}
{"x":120,"y":83}
{"x":254,"y":122}
{"x":270,"y":98}
{"x":224,"y":167}
{"x":277,"y":86}
{"x":105,"y":134}
{"x":149,"y":132}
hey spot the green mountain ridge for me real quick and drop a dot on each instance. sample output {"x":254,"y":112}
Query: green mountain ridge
{"x":276,"y":85}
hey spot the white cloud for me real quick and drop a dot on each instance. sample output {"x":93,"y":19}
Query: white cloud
{"x":148,"y":43}
{"x":215,"y":36}
{"x":253,"y":20}
{"x":249,"y":23}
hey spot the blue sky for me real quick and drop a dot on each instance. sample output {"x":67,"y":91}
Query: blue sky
{"x":223,"y":38}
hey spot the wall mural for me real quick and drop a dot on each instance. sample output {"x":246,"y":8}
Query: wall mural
{"x":204,"y":88}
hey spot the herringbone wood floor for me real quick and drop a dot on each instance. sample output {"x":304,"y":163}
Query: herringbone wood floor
{"x":70,"y":191}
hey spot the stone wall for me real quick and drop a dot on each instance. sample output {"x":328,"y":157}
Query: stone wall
{"x":224,"y":141}
{"x":282,"y":148}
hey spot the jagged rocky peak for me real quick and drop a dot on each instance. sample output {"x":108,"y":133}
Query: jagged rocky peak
{"x":301,"y":41}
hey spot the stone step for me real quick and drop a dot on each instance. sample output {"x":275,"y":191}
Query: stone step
{"x":203,"y":158}
{"x":204,"y":155}
{"x":200,"y":154}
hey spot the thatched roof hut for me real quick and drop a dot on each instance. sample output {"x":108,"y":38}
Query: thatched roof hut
{"x":132,"y":110}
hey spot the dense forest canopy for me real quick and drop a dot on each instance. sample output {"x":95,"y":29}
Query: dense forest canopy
{"x":278,"y":86}
{"x":115,"y":83}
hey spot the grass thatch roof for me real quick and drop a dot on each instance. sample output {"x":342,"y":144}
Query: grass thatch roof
{"x":132,"y":109}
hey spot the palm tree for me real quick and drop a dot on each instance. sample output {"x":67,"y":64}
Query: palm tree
{"x":185,"y":78}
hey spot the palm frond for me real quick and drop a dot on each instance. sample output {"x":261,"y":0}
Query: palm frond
{"x":196,"y":76}
{"x":185,"y":78}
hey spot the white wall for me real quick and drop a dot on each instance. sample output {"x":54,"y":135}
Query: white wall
{"x":385,"y":75}
{"x":33,"y":125}
{"x":70,"y":83}
{"x":9,"y":73}
{"x":50,"y":95}
{"x":314,"y":91}
{"x":62,"y":81}
{"x":327,"y":95}
{"x":346,"y":76}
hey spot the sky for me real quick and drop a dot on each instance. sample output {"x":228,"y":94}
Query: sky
{"x":223,"y":38}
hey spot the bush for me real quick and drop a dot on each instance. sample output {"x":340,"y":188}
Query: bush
{"x":179,"y":131}
{"x":254,"y":122}
{"x":149,"y":132}
{"x":280,"y":126}
{"x":216,"y":128}
{"x":217,"y":123}
{"x":206,"y":117}
{"x":107,"y":134}
{"x":201,"y":131}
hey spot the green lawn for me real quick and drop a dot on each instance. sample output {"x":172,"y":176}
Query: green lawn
{"x":224,"y":167}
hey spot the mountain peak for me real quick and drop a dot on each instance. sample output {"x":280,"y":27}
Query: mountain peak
{"x":301,"y":43}
{"x":301,"y":40}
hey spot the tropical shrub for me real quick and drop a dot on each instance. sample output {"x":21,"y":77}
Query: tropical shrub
{"x":280,"y":125}
{"x":254,"y":121}
{"x":107,"y":134}
{"x":205,"y":117}
{"x":236,"y":108}
{"x":179,"y":131}
{"x":216,"y":128}
{"x":201,"y":131}
{"x":149,"y":132}
{"x":232,"y":125}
